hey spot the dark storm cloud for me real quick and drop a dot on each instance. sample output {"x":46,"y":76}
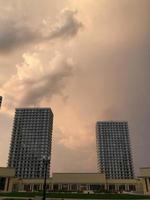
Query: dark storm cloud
{"x":15,"y":33}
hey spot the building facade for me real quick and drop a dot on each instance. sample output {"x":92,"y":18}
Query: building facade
{"x":73,"y":182}
{"x":145,"y":177}
{"x":6,"y":179}
{"x":31,"y":142}
{"x":113,"y":150}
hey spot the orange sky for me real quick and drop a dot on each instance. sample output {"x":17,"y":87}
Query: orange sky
{"x":87,"y":60}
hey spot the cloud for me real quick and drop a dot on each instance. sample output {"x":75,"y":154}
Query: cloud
{"x":67,"y":26}
{"x":15,"y":33}
{"x":110,"y":83}
{"x":34,"y":81}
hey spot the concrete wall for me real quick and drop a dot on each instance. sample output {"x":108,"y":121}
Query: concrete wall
{"x":72,"y":182}
{"x":79,"y":182}
{"x":78,"y":178}
{"x":145,"y":177}
{"x":7,"y":172}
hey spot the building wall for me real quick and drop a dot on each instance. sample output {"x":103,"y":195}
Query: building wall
{"x":70,"y":182}
{"x":145,"y":177}
{"x":113,"y":150}
{"x":78,"y":182}
{"x":7,"y":172}
{"x":31,"y":141}
{"x":78,"y":178}
{"x":6,"y":178}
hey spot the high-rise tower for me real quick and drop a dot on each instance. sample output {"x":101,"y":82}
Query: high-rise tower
{"x":31,"y":142}
{"x":113,"y":150}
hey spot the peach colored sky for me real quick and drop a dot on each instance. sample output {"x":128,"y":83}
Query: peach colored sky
{"x":87,"y":60}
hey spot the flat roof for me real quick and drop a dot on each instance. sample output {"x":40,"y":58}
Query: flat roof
{"x":144,"y":167}
{"x":29,"y":108}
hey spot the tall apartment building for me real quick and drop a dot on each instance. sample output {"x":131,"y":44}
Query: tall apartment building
{"x":31,"y":142}
{"x":113,"y":149}
{"x":0,"y":101}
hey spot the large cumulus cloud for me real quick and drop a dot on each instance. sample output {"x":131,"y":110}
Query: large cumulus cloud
{"x":34,"y":81}
{"x":110,"y":83}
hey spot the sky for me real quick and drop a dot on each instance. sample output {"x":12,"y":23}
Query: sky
{"x":89,"y":61}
